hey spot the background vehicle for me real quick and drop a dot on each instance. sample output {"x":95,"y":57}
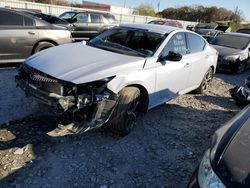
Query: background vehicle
{"x":126,"y":70}
{"x":209,"y":34}
{"x":86,"y":25}
{"x":173,"y":23}
{"x":210,"y":26}
{"x":22,"y":35}
{"x":243,"y":30}
{"x":49,"y":18}
{"x":226,"y":162}
{"x":234,"y":52}
{"x":190,"y":27}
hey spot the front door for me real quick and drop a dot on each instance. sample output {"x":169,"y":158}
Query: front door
{"x":173,"y":76}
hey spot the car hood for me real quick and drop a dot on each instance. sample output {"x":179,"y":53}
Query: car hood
{"x":226,"y":51}
{"x":230,"y":154}
{"x":79,"y":63}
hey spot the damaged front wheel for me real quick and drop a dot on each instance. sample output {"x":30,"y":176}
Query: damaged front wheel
{"x":126,"y":111}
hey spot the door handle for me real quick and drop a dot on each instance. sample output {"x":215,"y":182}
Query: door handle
{"x":187,"y":65}
{"x":31,"y":32}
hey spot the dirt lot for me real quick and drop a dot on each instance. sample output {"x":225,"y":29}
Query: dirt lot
{"x":162,"y":150}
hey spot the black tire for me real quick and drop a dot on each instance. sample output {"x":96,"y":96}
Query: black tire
{"x":42,"y":46}
{"x":207,"y":79}
{"x":126,"y":111}
{"x":240,"y":68}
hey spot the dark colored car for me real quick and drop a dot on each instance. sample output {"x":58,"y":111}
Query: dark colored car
{"x":205,"y":26}
{"x":244,"y":30}
{"x":49,"y":18}
{"x":209,"y":34}
{"x":226,"y":164}
{"x":22,"y":35}
{"x":86,"y":25}
{"x":173,"y":23}
{"x":190,"y":27}
{"x":234,"y":52}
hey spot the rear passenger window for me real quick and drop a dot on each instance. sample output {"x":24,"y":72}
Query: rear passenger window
{"x":28,"y":22}
{"x":195,"y":43}
{"x":10,"y":19}
{"x":95,"y":18}
{"x":176,"y":44}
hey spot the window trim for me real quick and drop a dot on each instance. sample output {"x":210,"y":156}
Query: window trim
{"x":189,"y":49}
{"x":100,"y":18}
{"x":88,"y":15}
{"x":23,"y":26}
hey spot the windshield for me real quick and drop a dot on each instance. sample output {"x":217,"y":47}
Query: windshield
{"x":207,"y":32}
{"x":231,"y":41}
{"x":67,"y":15}
{"x":129,"y":42}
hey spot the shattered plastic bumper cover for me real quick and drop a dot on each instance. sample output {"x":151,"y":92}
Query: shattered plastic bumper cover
{"x":102,"y":104}
{"x":50,"y":99}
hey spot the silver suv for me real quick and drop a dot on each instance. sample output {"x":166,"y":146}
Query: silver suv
{"x":22,"y":35}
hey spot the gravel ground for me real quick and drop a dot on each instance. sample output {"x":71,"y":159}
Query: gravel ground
{"x":162,"y":150}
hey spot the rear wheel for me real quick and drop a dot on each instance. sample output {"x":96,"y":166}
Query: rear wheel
{"x":206,"y":81}
{"x":42,"y":46}
{"x":126,"y":111}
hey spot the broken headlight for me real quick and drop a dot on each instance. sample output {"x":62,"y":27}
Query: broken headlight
{"x":93,"y":92}
{"x":206,"y":176}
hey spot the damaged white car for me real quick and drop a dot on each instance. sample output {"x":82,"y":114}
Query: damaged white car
{"x":123,"y":71}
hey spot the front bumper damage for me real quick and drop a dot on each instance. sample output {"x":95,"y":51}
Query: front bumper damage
{"x":91,"y":103}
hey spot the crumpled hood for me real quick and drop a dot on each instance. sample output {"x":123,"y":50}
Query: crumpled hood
{"x":226,"y":51}
{"x":79,"y":63}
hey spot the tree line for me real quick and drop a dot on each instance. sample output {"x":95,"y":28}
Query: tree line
{"x":189,"y":13}
{"x":202,"y":14}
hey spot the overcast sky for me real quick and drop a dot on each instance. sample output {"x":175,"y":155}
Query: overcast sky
{"x":243,"y":5}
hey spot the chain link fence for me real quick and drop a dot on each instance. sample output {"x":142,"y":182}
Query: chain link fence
{"x":57,"y":10}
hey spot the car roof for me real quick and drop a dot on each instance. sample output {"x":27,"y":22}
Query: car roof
{"x":238,"y":34}
{"x":209,"y":30}
{"x":163,"y":29}
{"x":39,"y":22}
{"x":87,"y":11}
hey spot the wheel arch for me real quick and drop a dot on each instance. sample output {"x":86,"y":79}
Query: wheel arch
{"x":42,"y":40}
{"x":213,"y":68}
{"x":144,"y":97}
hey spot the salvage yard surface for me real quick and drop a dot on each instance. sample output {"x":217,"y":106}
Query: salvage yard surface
{"x":162,"y":150}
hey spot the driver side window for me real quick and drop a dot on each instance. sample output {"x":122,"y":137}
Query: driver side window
{"x":176,"y":44}
{"x":82,"y":18}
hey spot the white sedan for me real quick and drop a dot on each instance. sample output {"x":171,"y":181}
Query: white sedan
{"x":128,"y":69}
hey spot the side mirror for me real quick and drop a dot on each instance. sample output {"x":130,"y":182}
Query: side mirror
{"x":172,"y":56}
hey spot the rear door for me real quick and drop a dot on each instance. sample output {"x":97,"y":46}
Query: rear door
{"x":96,"y":24}
{"x":17,"y":36}
{"x":199,"y":58}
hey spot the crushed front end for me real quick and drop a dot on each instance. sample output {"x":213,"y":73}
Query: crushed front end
{"x":92,"y":101}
